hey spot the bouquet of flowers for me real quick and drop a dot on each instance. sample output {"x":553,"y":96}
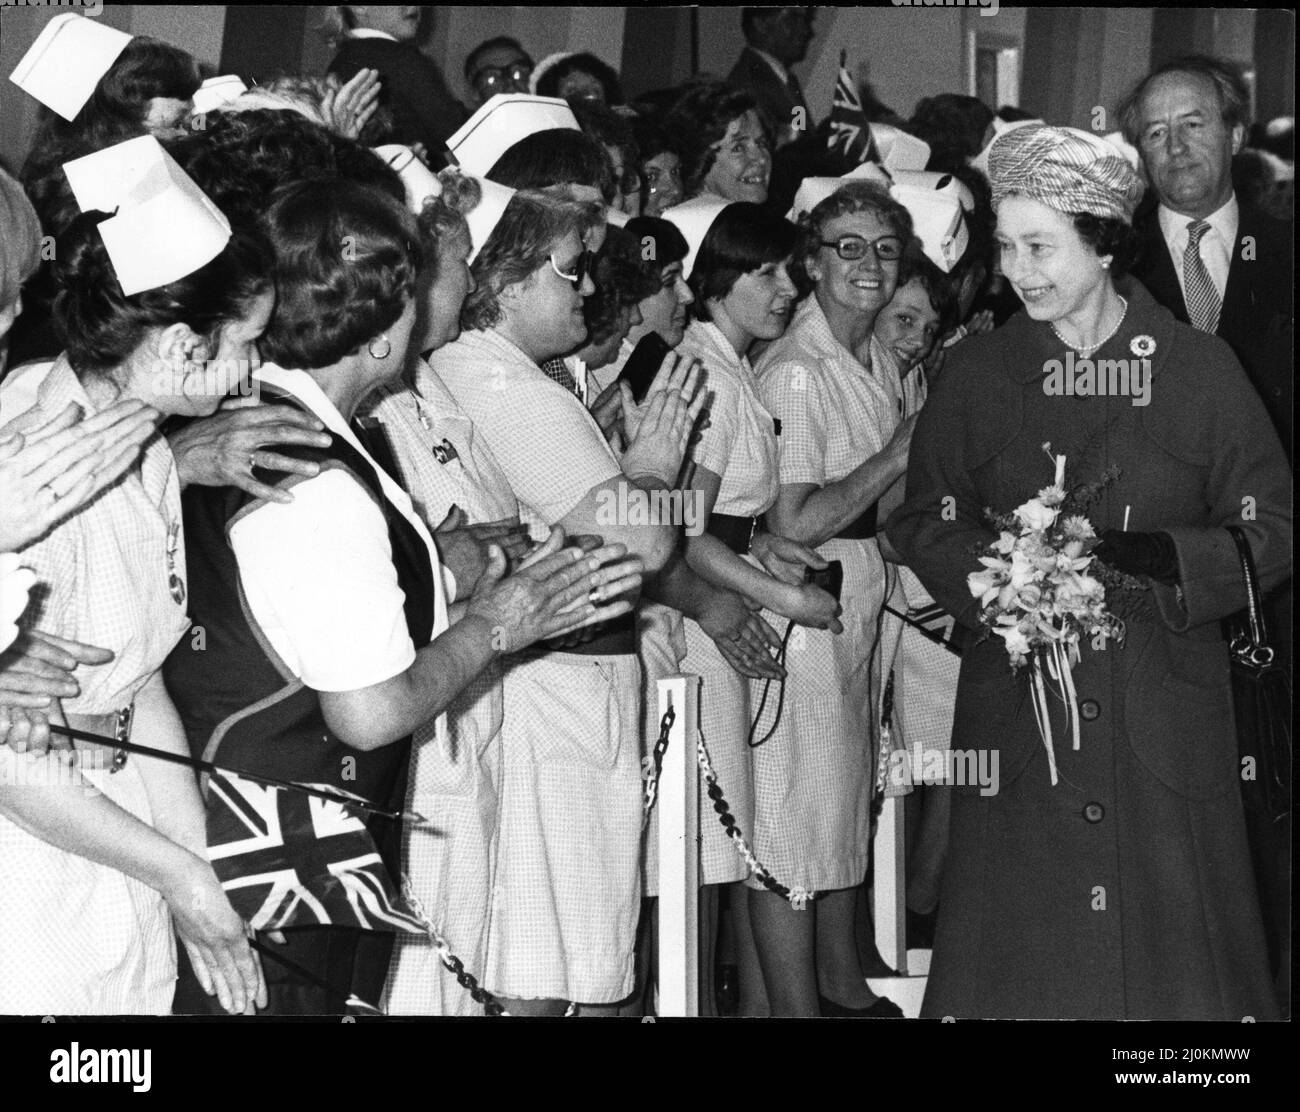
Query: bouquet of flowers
{"x":1036,"y":593}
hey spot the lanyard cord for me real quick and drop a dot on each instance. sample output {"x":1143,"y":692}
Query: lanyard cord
{"x":767,"y":684}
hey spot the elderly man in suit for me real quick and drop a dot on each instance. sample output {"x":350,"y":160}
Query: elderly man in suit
{"x":1225,"y":268}
{"x":776,"y":38}
{"x":1210,"y":259}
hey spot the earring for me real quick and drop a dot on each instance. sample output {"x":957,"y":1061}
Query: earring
{"x":1105,"y":264}
{"x":385,"y":348}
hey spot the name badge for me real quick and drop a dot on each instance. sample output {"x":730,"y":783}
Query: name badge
{"x":445,"y":452}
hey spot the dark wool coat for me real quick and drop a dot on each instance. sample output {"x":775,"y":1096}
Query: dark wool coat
{"x":1125,"y":892}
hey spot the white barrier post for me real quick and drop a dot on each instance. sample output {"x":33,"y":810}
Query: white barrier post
{"x":679,"y":851}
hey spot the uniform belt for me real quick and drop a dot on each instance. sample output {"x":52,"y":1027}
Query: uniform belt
{"x":616,"y":638}
{"x":734,"y":532}
{"x":862,"y":528}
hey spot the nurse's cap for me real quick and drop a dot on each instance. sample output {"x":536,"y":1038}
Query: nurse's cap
{"x":216,"y":92}
{"x":693,"y":219}
{"x":419,"y":181}
{"x":67,"y":60}
{"x":898,"y":150}
{"x":486,"y":215}
{"x":164,"y":226}
{"x":500,"y":123}
{"x":937,"y":218}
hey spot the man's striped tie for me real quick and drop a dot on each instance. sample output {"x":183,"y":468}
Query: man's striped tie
{"x":1203,"y":302}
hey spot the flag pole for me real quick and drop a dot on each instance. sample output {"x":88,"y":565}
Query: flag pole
{"x":257,"y":778}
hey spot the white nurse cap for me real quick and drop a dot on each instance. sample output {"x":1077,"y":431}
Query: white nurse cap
{"x":66,"y":62}
{"x":164,"y":226}
{"x":500,"y":123}
{"x":693,"y":219}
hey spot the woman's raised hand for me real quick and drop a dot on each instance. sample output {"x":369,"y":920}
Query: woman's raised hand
{"x":556,"y":590}
{"x":657,"y":445}
{"x":52,"y":467}
{"x":349,"y":108}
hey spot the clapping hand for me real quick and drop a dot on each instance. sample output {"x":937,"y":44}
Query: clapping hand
{"x":349,"y":108}
{"x":657,"y":445}
{"x":52,"y":467}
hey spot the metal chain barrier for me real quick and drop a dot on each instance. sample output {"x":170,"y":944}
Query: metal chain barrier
{"x":652,"y":766}
{"x":798,"y":897}
{"x":454,"y":965}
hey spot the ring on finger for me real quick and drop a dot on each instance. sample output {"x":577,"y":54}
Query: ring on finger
{"x":252,"y":461}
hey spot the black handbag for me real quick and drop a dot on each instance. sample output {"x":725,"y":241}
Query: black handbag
{"x":1261,"y":696}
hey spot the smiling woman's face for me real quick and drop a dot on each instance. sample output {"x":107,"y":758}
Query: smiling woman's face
{"x":861,"y":286}
{"x":742,"y":162}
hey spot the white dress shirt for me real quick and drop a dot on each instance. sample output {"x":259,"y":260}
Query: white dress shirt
{"x":1217,"y":244}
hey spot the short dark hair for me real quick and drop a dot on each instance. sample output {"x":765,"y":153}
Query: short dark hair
{"x":1234,"y":96}
{"x":701,"y":117}
{"x":915,"y":266}
{"x":498,"y":42}
{"x":660,"y":243}
{"x":548,"y":85}
{"x":1108,"y":235}
{"x":953,"y":125}
{"x":621,"y":278}
{"x":346,"y":260}
{"x":100,"y":326}
{"x":557,"y":156}
{"x":741,"y":239}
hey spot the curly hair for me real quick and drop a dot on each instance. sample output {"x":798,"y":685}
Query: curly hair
{"x":1229,"y":86}
{"x":622,"y":280}
{"x":100,"y":326}
{"x":529,"y":230}
{"x":443,"y":217}
{"x":853,"y":196}
{"x":743,"y":238}
{"x":240,"y":159}
{"x":612,"y":130}
{"x":700,"y":119}
{"x":347,"y":256}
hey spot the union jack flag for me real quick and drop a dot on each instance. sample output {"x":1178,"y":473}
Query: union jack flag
{"x":850,"y":131}
{"x":287,"y":859}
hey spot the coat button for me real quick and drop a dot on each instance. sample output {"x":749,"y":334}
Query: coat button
{"x":1094,"y":812}
{"x":1089,"y":709}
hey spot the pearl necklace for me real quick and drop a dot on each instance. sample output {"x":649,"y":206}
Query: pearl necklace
{"x":1087,"y":351}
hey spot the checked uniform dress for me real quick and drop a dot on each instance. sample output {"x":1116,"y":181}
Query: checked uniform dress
{"x":455,"y":782}
{"x":813,"y":777}
{"x":567,"y":891}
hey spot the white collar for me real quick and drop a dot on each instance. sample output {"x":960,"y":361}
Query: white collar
{"x":777,"y":67}
{"x":1224,"y":220}
{"x":369,"y":33}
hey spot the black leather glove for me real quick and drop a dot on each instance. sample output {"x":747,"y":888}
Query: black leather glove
{"x":1150,"y":554}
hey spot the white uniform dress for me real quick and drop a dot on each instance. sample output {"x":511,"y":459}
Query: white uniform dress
{"x":813,"y":777}
{"x":456,"y":785}
{"x":82,"y":938}
{"x":740,"y":445}
{"x":660,"y":647}
{"x":567,"y":893}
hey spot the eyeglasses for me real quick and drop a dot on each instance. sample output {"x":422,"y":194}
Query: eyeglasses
{"x":580,"y":269}
{"x":491,"y":76}
{"x":887,"y":249}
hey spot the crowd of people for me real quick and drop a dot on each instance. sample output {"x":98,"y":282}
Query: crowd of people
{"x":334,"y":427}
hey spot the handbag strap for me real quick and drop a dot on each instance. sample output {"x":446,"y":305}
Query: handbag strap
{"x":1257,"y":650}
